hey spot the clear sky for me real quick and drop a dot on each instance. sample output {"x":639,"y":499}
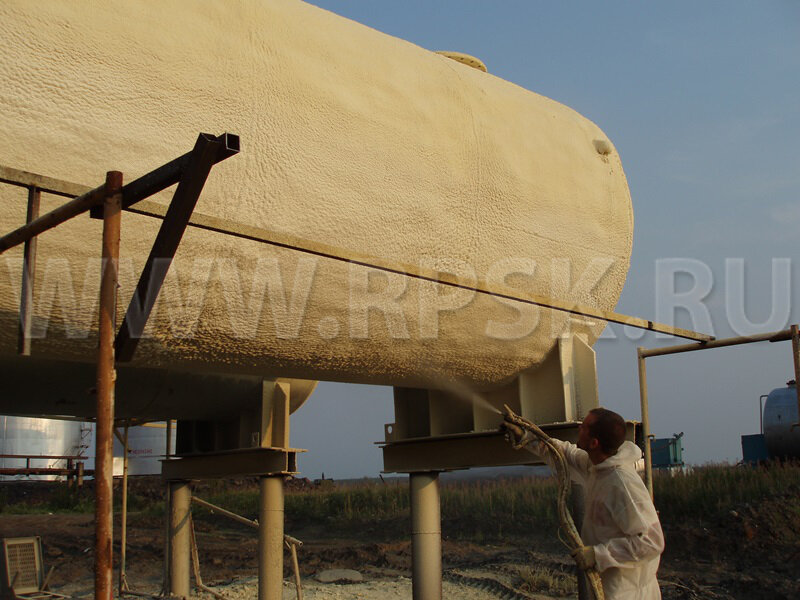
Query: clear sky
{"x":702,"y":101}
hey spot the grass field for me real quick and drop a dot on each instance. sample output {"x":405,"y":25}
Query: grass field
{"x":475,"y":510}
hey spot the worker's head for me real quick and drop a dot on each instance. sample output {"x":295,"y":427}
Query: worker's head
{"x":602,"y":432}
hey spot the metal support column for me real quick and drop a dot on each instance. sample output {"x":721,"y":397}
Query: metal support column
{"x":426,"y":536}
{"x":167,"y":504}
{"x":104,"y":449}
{"x":180,"y":537}
{"x":648,"y":458}
{"x":270,"y":538}
{"x":123,"y":528}
{"x":796,"y":358}
{"x":28,"y":275}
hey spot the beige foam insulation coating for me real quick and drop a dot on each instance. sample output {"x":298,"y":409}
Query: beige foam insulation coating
{"x":351,"y":138}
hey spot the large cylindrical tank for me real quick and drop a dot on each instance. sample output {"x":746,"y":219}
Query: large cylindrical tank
{"x":780,"y":413}
{"x":38,"y":437}
{"x":351,"y":138}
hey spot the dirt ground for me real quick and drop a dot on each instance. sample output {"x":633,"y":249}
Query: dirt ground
{"x":753,"y":555}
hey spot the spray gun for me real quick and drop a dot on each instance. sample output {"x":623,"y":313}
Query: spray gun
{"x":516,"y":427}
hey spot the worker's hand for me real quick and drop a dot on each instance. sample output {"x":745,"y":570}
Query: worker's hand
{"x":514,"y":433}
{"x":584,"y":557}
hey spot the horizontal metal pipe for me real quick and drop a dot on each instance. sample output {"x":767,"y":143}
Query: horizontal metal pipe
{"x":34,"y":456}
{"x":53,"y":218}
{"x":226,"y":513}
{"x":776,"y":336}
{"x":49,"y":185}
{"x":297,"y":244}
{"x":292,"y":541}
{"x":289,"y":540}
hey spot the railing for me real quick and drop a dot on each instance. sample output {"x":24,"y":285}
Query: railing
{"x":74,"y":470}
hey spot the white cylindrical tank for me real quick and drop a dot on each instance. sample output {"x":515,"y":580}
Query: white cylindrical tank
{"x":26,"y":436}
{"x":350,"y":138}
{"x":781,"y":436}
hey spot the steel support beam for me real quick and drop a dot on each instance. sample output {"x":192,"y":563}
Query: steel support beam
{"x":193,"y":177}
{"x":270,"y":538}
{"x":104,"y":449}
{"x":426,"y":537}
{"x":174,"y":171}
{"x":246,"y":462}
{"x":28,"y":277}
{"x":180,"y":537}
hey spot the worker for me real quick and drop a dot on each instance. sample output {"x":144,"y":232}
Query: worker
{"x":621,"y":529}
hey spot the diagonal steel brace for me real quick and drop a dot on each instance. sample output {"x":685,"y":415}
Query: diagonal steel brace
{"x":193,"y":172}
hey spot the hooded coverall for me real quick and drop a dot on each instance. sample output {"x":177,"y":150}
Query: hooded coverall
{"x":620,"y":523}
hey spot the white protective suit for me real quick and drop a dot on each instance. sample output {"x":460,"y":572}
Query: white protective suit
{"x":620,"y":521}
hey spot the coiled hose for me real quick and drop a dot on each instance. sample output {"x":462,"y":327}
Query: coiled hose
{"x":574,"y":540}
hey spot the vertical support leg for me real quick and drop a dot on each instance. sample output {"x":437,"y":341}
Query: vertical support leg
{"x":270,"y":539}
{"x":296,"y":569}
{"x":796,"y":359}
{"x":648,"y":458}
{"x":104,"y":449}
{"x":123,"y":528}
{"x":180,"y":538}
{"x":578,"y":501}
{"x":28,"y":275}
{"x":167,"y":503}
{"x":426,"y":537}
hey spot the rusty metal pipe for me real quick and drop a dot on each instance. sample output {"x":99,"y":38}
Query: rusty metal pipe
{"x":426,"y":537}
{"x":104,"y":449}
{"x":28,"y":276}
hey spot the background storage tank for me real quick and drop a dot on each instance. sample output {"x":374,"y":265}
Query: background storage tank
{"x":780,"y":413}
{"x":26,"y":436}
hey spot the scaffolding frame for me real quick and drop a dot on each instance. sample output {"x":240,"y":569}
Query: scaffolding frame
{"x":107,"y":201}
{"x":793,"y":334}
